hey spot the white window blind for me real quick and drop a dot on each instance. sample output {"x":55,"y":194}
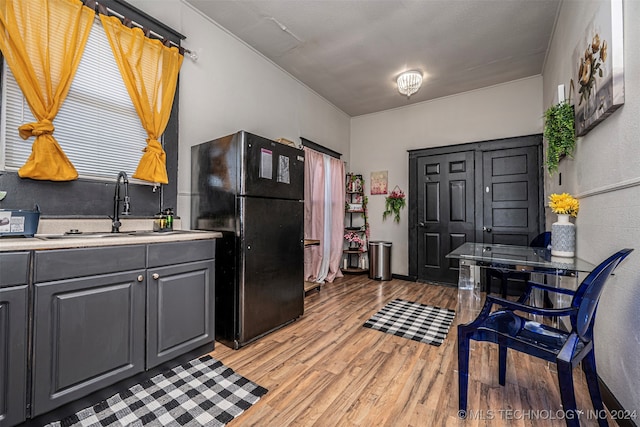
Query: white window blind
{"x":97,"y":127}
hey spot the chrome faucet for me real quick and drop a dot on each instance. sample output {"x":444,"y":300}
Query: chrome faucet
{"x":126,"y":207}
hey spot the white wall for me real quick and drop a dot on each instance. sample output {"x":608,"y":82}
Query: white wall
{"x":380,"y":141}
{"x":604,"y":175}
{"x":231,"y":87}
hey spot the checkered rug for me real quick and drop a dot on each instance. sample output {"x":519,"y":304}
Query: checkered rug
{"x":203,"y":392}
{"x":418,"y":322}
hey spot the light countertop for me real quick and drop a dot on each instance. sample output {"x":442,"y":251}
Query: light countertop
{"x":131,"y":232}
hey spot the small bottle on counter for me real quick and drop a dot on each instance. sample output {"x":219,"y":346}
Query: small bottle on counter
{"x":159,"y":222}
{"x":169,"y":219}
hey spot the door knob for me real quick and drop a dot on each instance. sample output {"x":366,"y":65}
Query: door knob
{"x":140,"y":278}
{"x":422,"y":224}
{"x":487,"y":229}
{"x":156,"y":276}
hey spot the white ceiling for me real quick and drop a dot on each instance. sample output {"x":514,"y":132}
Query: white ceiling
{"x":351,"y":51}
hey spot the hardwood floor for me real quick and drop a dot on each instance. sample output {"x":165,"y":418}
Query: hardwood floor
{"x":325,"y":369}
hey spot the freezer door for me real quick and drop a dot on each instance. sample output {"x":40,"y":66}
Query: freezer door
{"x":270,"y":169}
{"x":272,"y":276}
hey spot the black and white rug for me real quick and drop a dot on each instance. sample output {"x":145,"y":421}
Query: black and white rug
{"x":203,"y":392}
{"x":412,"y":320}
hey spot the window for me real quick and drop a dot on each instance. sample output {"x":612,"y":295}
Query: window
{"x":97,"y":125}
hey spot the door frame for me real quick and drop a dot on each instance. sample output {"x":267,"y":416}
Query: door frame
{"x":478,"y":148}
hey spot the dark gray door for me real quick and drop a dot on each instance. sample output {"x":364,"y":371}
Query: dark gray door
{"x":88,"y":334}
{"x":510,"y":196}
{"x":445,"y":212}
{"x":180,"y":304}
{"x":13,"y":355}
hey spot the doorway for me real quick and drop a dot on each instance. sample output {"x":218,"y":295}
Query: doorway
{"x":486,"y":191}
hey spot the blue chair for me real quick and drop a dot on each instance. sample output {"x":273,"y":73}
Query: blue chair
{"x":543,"y":240}
{"x":565,"y":348}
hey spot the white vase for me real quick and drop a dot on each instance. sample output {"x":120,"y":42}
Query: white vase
{"x":563,"y":237}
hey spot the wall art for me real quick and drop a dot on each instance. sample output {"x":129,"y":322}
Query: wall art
{"x":379,"y":182}
{"x":599,"y":67}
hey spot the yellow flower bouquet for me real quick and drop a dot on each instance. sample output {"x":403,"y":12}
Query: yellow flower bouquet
{"x":564,"y":204}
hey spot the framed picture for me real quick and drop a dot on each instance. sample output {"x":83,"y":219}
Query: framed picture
{"x":598,"y":66}
{"x":379,"y":182}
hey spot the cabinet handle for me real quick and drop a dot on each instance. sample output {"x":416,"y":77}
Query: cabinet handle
{"x":156,"y":276}
{"x":140,"y":278}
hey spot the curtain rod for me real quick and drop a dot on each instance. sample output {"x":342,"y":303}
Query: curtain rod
{"x":320,"y":148}
{"x":99,"y":7}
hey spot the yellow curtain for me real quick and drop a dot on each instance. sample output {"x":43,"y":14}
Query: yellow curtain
{"x":43,"y":41}
{"x":150,"y":73}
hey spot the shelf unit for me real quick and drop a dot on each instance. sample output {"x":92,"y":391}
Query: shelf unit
{"x":355,"y":260}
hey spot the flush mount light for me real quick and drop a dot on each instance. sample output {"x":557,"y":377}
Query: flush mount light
{"x":409,"y":82}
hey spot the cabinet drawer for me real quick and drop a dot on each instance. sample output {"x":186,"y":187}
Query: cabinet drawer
{"x":160,"y":254}
{"x":14,"y":268}
{"x":68,"y":263}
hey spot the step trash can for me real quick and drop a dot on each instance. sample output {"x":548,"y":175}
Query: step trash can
{"x":380,"y":260}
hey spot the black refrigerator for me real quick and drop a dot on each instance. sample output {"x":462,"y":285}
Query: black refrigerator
{"x":251,"y":189}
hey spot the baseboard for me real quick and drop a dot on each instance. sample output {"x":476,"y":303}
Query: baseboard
{"x":624,"y":418}
{"x":403,"y":277}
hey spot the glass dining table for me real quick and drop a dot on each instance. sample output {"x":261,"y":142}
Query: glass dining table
{"x":518,"y":258}
{"x":472,"y":257}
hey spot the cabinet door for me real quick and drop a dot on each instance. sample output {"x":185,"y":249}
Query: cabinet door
{"x":13,"y":363}
{"x":88,"y":334}
{"x":180,"y":303}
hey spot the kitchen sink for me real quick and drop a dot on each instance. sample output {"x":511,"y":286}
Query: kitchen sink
{"x":100,"y":235}
{"x":79,"y":235}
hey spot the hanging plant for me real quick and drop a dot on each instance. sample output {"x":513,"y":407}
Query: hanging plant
{"x":393,"y":204}
{"x":559,"y":131}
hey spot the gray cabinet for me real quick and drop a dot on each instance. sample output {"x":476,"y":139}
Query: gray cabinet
{"x":89,"y":321}
{"x":14,"y":269}
{"x":180,"y":299}
{"x":104,"y":314}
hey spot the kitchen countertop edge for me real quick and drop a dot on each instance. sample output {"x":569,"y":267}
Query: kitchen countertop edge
{"x":34,"y":243}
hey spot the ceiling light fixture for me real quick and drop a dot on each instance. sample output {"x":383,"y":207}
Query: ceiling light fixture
{"x":409,"y":82}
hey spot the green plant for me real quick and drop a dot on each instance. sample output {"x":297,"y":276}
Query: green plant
{"x":559,"y":131}
{"x":393,"y":204}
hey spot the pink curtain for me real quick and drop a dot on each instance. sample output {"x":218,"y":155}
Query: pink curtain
{"x":324,"y":199}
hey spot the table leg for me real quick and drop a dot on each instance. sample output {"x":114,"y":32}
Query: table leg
{"x":469,"y":297}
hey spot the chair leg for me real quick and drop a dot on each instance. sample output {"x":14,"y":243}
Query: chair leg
{"x":463,"y":370}
{"x":567,"y":394}
{"x":502,"y":364}
{"x":589,"y":368}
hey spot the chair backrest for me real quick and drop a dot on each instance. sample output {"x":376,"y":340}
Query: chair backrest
{"x":542,"y":240}
{"x":588,"y":294}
